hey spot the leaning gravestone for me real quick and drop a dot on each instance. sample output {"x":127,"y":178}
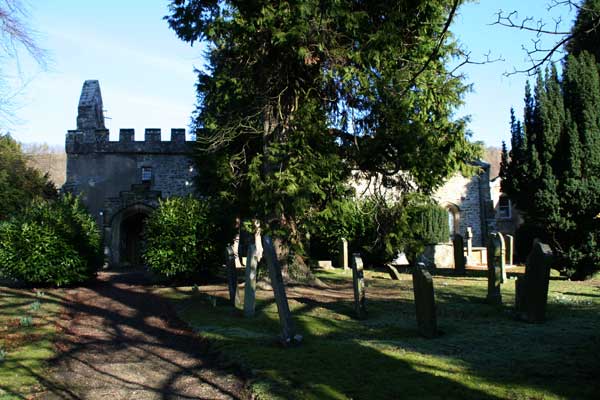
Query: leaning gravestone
{"x":288,"y":335}
{"x":358,"y":281}
{"x":232,"y":276}
{"x":494,"y":265}
{"x":459,"y":254}
{"x":343,"y":260}
{"x":424,"y":301}
{"x":532,"y":296}
{"x":250,"y":288}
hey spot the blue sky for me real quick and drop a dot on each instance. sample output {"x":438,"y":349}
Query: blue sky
{"x":147,"y":75}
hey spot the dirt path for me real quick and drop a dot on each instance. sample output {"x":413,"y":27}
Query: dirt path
{"x":121,"y":341}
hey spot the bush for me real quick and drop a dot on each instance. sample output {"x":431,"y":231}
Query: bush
{"x":50,"y":243}
{"x":180,"y":239}
{"x":378,"y":229}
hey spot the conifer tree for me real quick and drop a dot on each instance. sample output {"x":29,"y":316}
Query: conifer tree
{"x":559,"y":188}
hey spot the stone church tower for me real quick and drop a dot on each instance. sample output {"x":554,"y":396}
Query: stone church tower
{"x":120,"y":182}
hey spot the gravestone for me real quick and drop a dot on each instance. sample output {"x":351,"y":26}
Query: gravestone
{"x":494,"y":265}
{"x":358,"y":281}
{"x":510,"y":249}
{"x":459,"y":254}
{"x":424,"y":301}
{"x":502,"y":257}
{"x":534,"y":289}
{"x":288,"y":334}
{"x":343,"y":257}
{"x":232,"y":276}
{"x":469,"y":245}
{"x":250,"y":288}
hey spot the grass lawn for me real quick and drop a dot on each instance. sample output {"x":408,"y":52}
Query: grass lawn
{"x":26,"y":332}
{"x":483,"y":353}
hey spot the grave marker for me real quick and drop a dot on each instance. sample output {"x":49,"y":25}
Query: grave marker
{"x":343,"y":257}
{"x":358,"y":281}
{"x":494,"y":261}
{"x":288,"y":334}
{"x":250,"y":288}
{"x":424,"y":301}
{"x":459,"y":254}
{"x":232,"y":276}
{"x":534,"y":296}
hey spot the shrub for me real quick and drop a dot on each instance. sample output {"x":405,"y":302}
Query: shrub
{"x":378,"y":229}
{"x":180,"y":239}
{"x":50,"y":243}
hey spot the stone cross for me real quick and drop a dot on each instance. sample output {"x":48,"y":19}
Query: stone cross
{"x":510,"y":249}
{"x":232,"y":276}
{"x":358,"y":281}
{"x":469,"y":243}
{"x":288,"y":334}
{"x":343,"y":260}
{"x":424,"y":301}
{"x":494,"y":261}
{"x":459,"y":254}
{"x":532,"y":296}
{"x":250,"y":288}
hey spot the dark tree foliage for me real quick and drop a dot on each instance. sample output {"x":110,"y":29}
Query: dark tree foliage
{"x":586,"y":32}
{"x":19,"y":184}
{"x":554,"y":170}
{"x":296,"y":94}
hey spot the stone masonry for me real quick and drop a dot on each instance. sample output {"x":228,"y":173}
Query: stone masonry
{"x":119,"y":180}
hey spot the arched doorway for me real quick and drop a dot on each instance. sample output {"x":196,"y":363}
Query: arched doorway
{"x":132,"y":241}
{"x":127,"y":241}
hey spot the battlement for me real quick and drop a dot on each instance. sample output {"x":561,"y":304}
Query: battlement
{"x":97,"y":141}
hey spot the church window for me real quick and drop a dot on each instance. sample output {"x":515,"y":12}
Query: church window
{"x":504,"y":207}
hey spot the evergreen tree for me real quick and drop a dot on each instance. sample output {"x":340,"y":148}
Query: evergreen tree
{"x":297,"y":94}
{"x":559,"y":189}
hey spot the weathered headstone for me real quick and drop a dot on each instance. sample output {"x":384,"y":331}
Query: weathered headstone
{"x":536,"y":281}
{"x":510,"y":248}
{"x":494,"y":261}
{"x":343,"y":257}
{"x":232,"y":276}
{"x":288,"y":334}
{"x":358,"y":281}
{"x":502,"y":257}
{"x":250,"y":288}
{"x":424,"y":301}
{"x":520,"y":299}
{"x":459,"y":254}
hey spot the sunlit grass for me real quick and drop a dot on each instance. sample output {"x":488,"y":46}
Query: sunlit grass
{"x":484,"y":353}
{"x":27,"y":329}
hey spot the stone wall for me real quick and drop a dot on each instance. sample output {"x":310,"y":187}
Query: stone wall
{"x":99,"y":169}
{"x":469,"y":196}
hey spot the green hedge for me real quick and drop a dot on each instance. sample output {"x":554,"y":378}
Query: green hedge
{"x":50,"y":243}
{"x":180,"y":239}
{"x":378,"y":229}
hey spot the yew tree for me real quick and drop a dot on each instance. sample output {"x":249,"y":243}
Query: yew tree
{"x":297,"y":94}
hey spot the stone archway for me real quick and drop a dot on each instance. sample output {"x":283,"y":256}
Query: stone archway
{"x":126,"y":230}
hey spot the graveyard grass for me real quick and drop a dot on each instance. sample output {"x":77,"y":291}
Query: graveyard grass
{"x":483,"y":352}
{"x":27,"y":331}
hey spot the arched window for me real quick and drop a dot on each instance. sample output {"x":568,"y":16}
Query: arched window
{"x":504,"y":207}
{"x":453,"y":219}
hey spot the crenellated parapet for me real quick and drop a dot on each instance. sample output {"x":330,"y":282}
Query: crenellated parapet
{"x":97,"y":141}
